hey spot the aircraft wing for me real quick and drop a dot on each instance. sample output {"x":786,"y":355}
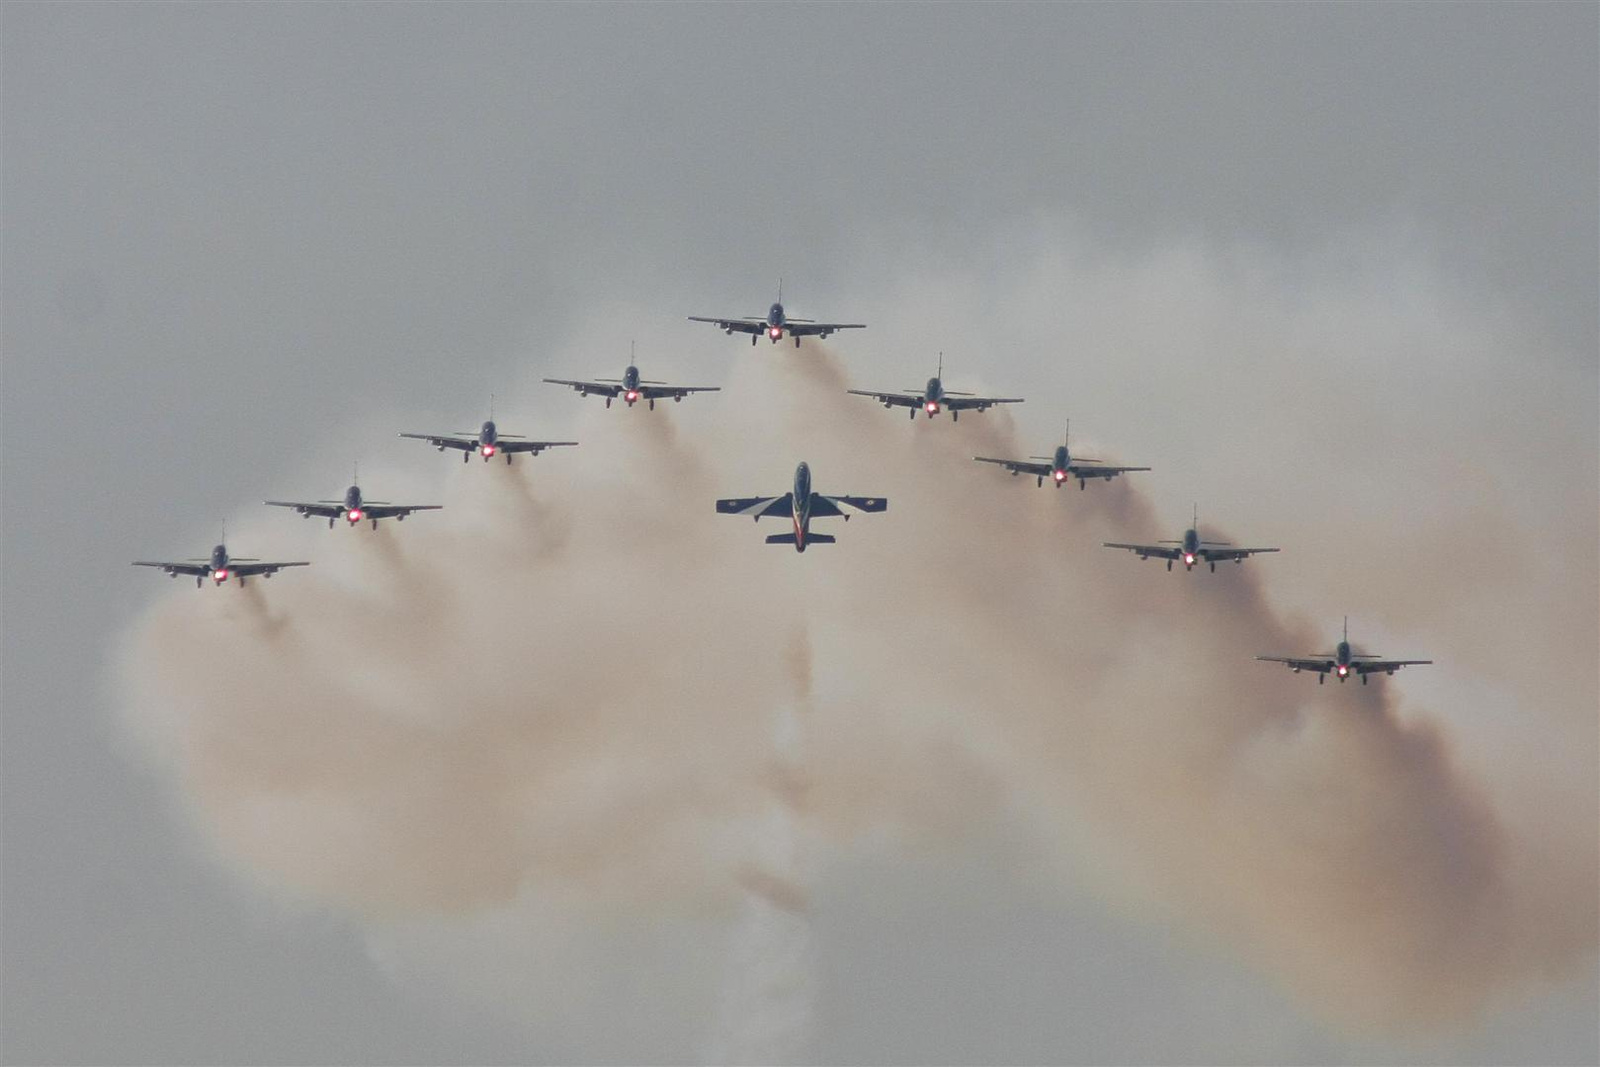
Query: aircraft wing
{"x":534,"y":447}
{"x":463,"y":444}
{"x":976,"y":403}
{"x":395,"y":511}
{"x":1217,"y":555}
{"x":248,"y":570}
{"x":1021,"y":466}
{"x":1100,"y":471}
{"x":904,"y":400}
{"x":826,"y":506}
{"x":1146,"y":551}
{"x":321,"y":509}
{"x":751,"y":325}
{"x":191,"y":569}
{"x":801,"y":328}
{"x":1384,"y":666}
{"x":758,"y":507}
{"x":1320,"y":666}
{"x":585,"y":388}
{"x":676,"y":392}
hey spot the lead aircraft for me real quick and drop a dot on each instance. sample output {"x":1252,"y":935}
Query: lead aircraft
{"x":1060,"y":467}
{"x":219,"y":567}
{"x":800,"y":505}
{"x":1191,"y":549}
{"x":934,"y":397}
{"x":1341,"y":662}
{"x":776,"y":322}
{"x":353,"y":508}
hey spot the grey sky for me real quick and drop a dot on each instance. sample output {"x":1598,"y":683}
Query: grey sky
{"x":238,"y":237}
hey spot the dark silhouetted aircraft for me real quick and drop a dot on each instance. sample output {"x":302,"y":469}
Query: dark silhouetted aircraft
{"x":632,"y":388}
{"x":1191,"y":549}
{"x":776,"y":323}
{"x":1341,"y":661}
{"x":1060,"y":467}
{"x":353,"y":508}
{"x":800,"y":505}
{"x":487,"y":442}
{"x":934,"y":397}
{"x":220,"y":566}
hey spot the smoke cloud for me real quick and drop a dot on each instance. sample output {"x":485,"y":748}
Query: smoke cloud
{"x":578,"y":692}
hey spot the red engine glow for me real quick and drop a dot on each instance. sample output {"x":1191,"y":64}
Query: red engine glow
{"x":220,"y":576}
{"x":354,"y":515}
{"x":1061,"y":476}
{"x":932,"y":408}
{"x":775,"y":333}
{"x":1343,"y":670}
{"x":633,"y":394}
{"x":488,"y":450}
{"x":1188,"y":558}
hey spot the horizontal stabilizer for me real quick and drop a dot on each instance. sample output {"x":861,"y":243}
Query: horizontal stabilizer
{"x":811,"y":539}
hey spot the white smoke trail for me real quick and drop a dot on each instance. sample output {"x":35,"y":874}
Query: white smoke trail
{"x":765,"y":1015}
{"x":556,"y":699}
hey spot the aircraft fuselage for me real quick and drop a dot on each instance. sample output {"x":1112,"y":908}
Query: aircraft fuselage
{"x":352,"y":505}
{"x":802,"y":505}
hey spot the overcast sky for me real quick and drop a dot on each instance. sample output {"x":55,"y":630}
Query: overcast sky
{"x":242,"y":242}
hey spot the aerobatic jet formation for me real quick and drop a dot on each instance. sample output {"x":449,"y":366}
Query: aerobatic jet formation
{"x":800,"y":505}
{"x":1191,"y":549}
{"x":934,"y":397}
{"x":631,"y":388}
{"x":220,"y":566}
{"x":1342,"y":662}
{"x":776,"y":322}
{"x":488,"y":442}
{"x":1060,"y":467}
{"x":353,"y":508}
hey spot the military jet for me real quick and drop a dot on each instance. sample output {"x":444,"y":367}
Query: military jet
{"x":219,"y":567}
{"x":1191,"y":549}
{"x":632,"y":388}
{"x":776,"y":322}
{"x":1060,"y":467}
{"x":800,"y":505}
{"x":487,"y":442}
{"x":353,"y":508}
{"x":1341,"y":661}
{"x":934,"y":397}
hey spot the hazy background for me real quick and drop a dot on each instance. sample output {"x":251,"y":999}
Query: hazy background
{"x":1330,"y":271}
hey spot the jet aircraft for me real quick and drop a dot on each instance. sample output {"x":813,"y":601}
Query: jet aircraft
{"x":776,"y":323}
{"x":353,"y":508}
{"x":219,"y":567}
{"x":632,"y":388}
{"x":800,"y":505}
{"x":488,"y":442}
{"x":1060,"y":467}
{"x":934,"y":397}
{"x":1341,"y":661}
{"x":1191,"y":549}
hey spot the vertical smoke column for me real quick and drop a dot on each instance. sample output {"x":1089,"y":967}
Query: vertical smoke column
{"x":765,"y":1014}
